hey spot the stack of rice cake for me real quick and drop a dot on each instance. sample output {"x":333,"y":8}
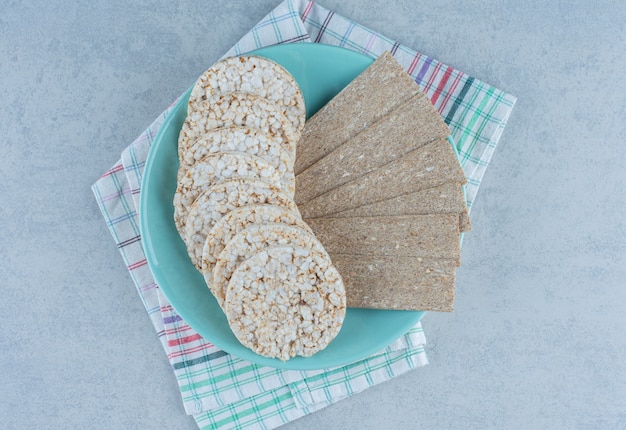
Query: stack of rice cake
{"x":380,"y":186}
{"x":234,"y":209}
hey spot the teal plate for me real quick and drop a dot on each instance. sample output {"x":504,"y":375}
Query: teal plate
{"x":321,"y":71}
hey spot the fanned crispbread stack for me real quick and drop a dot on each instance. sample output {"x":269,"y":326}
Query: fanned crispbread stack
{"x":380,"y":185}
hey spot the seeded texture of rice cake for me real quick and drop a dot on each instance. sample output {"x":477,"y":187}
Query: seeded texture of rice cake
{"x":398,"y":283}
{"x":253,"y":75}
{"x":446,"y":198}
{"x":213,"y":169}
{"x":235,"y":221}
{"x":378,"y":90}
{"x":220,"y":199}
{"x":238,"y":109}
{"x":242,"y":139}
{"x":432,"y":165}
{"x":252,"y":240}
{"x":425,"y":236}
{"x":286,"y":301}
{"x":405,"y":129}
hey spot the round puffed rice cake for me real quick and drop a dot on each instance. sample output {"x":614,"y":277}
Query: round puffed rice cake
{"x":235,"y":221}
{"x":213,"y":169}
{"x":252,"y":240}
{"x":254,"y":75}
{"x":239,"y":109}
{"x":242,"y":139}
{"x":220,"y":199}
{"x":286,"y":301}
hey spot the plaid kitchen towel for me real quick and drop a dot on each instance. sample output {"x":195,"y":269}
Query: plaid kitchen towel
{"x":222,"y":391}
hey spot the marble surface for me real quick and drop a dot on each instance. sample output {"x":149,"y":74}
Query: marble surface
{"x":537,"y":338}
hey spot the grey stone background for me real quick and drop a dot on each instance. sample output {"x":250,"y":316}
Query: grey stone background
{"x":537,"y":338}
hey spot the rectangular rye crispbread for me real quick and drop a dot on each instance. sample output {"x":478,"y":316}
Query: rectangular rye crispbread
{"x":399,"y":283}
{"x":446,"y":198}
{"x":425,"y":236}
{"x":432,"y":165}
{"x":378,"y":90}
{"x":410,"y":126}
